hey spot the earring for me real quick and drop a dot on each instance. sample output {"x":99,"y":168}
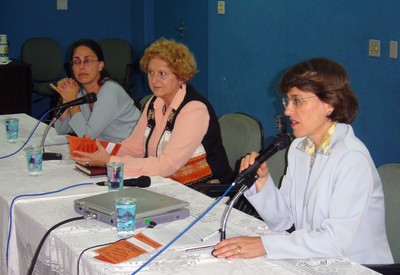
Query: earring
{"x":329,"y":113}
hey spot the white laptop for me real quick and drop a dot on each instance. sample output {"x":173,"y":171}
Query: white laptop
{"x":150,"y":206}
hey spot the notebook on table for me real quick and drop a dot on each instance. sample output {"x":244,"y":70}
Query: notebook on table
{"x":92,"y":170}
{"x":150,"y":206}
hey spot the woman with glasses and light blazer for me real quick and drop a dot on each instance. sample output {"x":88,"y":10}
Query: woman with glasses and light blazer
{"x":331,"y":194}
{"x":113,"y":116}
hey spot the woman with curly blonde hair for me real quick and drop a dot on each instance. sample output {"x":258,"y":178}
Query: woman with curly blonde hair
{"x":178,"y":135}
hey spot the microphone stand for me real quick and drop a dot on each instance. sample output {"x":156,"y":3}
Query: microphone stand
{"x":47,"y":155}
{"x":88,"y":98}
{"x":248,"y":176}
{"x":247,"y":180}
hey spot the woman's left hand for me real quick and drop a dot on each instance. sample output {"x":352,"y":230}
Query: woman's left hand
{"x":68,"y":89}
{"x":239,"y":247}
{"x":98,"y":158}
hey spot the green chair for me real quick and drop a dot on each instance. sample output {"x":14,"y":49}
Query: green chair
{"x":45,"y":56}
{"x":118,"y":59}
{"x":241,"y":134}
{"x":390,"y":176}
{"x":277,"y":166}
{"x":143,"y":101}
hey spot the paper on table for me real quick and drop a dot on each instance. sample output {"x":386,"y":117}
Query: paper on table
{"x":119,"y":252}
{"x":192,"y":239}
{"x":124,"y":250}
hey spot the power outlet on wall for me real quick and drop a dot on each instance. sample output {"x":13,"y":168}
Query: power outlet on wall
{"x":221,"y":7}
{"x":280,"y":122}
{"x":62,"y":4}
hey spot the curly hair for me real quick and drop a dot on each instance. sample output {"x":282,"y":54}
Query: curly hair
{"x":178,"y":57}
{"x":329,"y":81}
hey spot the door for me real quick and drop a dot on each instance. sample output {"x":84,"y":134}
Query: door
{"x":186,"y":21}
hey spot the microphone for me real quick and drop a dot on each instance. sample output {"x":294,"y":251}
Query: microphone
{"x":249,"y":175}
{"x":142,"y":182}
{"x":88,"y":98}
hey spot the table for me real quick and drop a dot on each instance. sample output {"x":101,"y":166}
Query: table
{"x":33,"y":216}
{"x":15,"y":88}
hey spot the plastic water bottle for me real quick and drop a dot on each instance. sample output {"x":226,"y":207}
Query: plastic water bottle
{"x":3,"y":48}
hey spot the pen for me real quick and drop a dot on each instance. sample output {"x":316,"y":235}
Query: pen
{"x":211,"y":235}
{"x":199,"y":248}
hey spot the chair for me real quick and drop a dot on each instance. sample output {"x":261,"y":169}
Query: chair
{"x":143,"y":101}
{"x":241,"y":134}
{"x":277,"y":166}
{"x":390,"y":176}
{"x":118,"y":58}
{"x":45,"y":57}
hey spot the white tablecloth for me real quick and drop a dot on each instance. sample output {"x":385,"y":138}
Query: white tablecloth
{"x":33,"y":216}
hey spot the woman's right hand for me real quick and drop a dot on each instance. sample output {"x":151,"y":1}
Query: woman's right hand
{"x":262,"y":172}
{"x":98,"y":158}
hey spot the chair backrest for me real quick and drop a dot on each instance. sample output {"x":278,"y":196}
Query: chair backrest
{"x":241,"y":134}
{"x":277,"y":166}
{"x":143,"y":101}
{"x":390,"y":176}
{"x":118,"y":58}
{"x":45,"y":57}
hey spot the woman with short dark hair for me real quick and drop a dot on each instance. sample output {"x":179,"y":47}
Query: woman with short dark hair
{"x":331,"y":193}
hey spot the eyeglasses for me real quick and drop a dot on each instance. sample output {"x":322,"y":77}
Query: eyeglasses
{"x":86,"y":62}
{"x":296,"y":101}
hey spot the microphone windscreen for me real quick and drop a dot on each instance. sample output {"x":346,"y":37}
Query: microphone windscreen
{"x":92,"y":97}
{"x":281,"y":141}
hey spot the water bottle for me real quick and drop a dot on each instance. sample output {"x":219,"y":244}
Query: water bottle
{"x":3,"y":48}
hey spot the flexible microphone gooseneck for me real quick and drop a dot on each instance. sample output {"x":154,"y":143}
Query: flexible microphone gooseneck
{"x":248,"y":176}
{"x":88,"y":98}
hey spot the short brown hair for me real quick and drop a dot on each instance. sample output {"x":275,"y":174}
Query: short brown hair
{"x":178,"y":57}
{"x":329,"y":81}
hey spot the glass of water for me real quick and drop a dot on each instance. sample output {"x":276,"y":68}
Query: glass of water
{"x":34,"y":157}
{"x":125,"y":208}
{"x":115,"y":176}
{"x":12,"y":125}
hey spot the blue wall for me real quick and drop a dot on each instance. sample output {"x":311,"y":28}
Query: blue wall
{"x":247,"y":49}
{"x":257,"y":40}
{"x":99,"y":19}
{"x":193,"y":15}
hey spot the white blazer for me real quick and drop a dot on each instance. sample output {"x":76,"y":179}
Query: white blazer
{"x":337,"y":208}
